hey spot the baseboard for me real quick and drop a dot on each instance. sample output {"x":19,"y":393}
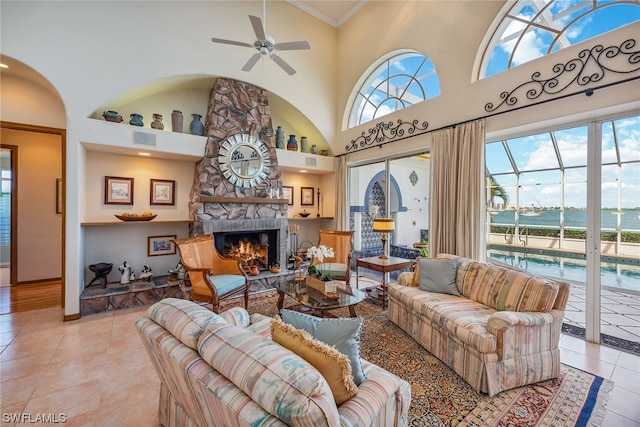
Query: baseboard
{"x":70,"y":317}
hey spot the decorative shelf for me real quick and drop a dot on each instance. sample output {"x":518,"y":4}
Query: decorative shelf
{"x":309,"y":217}
{"x":170,"y":221}
{"x":211,"y":199}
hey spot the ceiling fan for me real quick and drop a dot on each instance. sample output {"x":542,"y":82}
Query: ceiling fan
{"x":265,"y":45}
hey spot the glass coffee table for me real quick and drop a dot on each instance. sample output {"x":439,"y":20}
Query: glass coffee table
{"x":312,"y":301}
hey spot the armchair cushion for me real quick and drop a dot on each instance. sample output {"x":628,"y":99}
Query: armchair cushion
{"x":341,"y":333}
{"x":226,"y":282}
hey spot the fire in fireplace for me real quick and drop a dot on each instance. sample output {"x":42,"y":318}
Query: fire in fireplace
{"x":251,"y":247}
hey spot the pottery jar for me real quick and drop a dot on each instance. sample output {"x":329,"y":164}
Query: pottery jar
{"x":196,"y":127}
{"x":176,"y":121}
{"x":136,"y":119}
{"x":157,"y":122}
{"x":292,"y":144}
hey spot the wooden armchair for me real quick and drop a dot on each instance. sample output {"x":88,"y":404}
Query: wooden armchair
{"x":213,"y":277}
{"x":342,"y":244}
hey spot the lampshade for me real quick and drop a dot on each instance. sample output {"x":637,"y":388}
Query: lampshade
{"x":383,"y":225}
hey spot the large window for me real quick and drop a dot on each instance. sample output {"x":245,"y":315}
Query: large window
{"x":396,"y":83}
{"x":534,"y":28}
{"x":547,"y":193}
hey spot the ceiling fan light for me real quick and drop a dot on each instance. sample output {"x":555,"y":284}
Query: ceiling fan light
{"x":264,"y":50}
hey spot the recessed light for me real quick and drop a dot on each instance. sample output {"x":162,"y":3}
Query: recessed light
{"x":144,"y":154}
{"x":3,"y":65}
{"x":303,"y":171}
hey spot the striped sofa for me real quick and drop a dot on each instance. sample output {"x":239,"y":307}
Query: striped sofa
{"x":224,"y":370}
{"x":501,"y":332}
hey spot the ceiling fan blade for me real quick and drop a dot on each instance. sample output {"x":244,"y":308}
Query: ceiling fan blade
{"x":251,"y":62}
{"x":301,"y":45}
{"x":286,"y":67}
{"x":233,"y":42}
{"x":256,"y":23}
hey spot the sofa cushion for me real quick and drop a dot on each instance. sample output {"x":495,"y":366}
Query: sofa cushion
{"x":460,"y":317}
{"x":505,"y":288}
{"x":333,"y":365}
{"x":184,"y":319}
{"x":277,"y":379}
{"x":438,"y":275}
{"x":341,"y":333}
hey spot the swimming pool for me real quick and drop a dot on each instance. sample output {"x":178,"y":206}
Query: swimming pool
{"x":613,"y":275}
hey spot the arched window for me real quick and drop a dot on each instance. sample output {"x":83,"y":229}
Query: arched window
{"x":394,"y":84}
{"x":534,"y":28}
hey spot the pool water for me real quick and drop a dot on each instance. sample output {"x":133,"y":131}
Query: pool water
{"x":618,"y":276}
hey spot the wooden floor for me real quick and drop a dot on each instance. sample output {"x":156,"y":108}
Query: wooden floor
{"x":30,"y":297}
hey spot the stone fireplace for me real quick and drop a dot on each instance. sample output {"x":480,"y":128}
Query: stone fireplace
{"x":226,"y":205}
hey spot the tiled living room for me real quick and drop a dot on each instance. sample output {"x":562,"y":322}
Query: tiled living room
{"x":463,"y":127}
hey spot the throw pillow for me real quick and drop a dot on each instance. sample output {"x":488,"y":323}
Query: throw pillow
{"x":341,"y":333}
{"x":438,"y":275}
{"x":332,"y":365}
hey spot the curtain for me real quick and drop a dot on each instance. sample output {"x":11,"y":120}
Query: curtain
{"x":342,"y":217}
{"x":457,"y":191}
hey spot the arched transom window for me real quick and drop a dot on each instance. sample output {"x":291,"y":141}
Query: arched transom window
{"x":534,"y":28}
{"x":394,"y":84}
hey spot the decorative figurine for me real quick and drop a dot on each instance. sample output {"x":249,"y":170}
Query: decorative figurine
{"x":146,"y":273}
{"x":127,"y":274}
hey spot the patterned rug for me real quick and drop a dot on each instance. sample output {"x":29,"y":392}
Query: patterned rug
{"x":439,"y":397}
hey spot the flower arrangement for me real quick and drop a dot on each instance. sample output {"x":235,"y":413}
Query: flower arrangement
{"x":320,"y":252}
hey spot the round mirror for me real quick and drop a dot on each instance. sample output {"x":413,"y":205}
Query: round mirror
{"x":244,"y":160}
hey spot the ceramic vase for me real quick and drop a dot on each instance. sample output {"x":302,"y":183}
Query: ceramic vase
{"x":176,"y":121}
{"x":112,"y":116}
{"x":304,"y":145}
{"x":196,"y":127}
{"x":292,"y":144}
{"x":280,"y":138}
{"x":314,"y":149}
{"x":157,"y":122}
{"x":136,"y":120}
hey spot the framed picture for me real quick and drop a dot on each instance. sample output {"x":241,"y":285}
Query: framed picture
{"x":287,"y":193}
{"x":118,"y":190}
{"x":163,"y":192}
{"x":306,"y":196}
{"x":160,"y":245}
{"x":58,"y":195}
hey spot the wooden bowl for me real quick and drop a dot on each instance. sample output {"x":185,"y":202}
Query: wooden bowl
{"x":135,"y":218}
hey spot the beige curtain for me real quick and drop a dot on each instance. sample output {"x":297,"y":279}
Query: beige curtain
{"x":342,"y":217}
{"x":457,"y":191}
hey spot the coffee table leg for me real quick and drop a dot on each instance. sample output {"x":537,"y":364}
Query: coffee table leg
{"x":352,"y":311}
{"x":280,"y":300}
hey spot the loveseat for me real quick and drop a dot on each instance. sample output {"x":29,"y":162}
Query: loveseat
{"x":500,"y":332}
{"x":225,"y":370}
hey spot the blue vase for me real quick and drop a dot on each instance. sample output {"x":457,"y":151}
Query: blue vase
{"x":136,"y":120}
{"x":292,"y":144}
{"x":196,"y":127}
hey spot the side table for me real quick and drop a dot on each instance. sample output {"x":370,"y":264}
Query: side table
{"x":384,"y":266}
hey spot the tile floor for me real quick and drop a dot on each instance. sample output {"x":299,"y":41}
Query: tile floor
{"x":96,"y":372}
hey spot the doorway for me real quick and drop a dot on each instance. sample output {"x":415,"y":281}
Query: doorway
{"x":32,"y":226}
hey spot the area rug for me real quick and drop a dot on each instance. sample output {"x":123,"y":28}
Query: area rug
{"x":440,"y":397}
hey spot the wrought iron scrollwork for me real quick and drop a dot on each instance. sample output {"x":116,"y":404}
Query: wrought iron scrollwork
{"x":590,"y":66}
{"x":385,"y":132}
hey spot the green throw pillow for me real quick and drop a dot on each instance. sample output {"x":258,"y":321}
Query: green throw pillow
{"x":438,"y":275}
{"x":342,"y":333}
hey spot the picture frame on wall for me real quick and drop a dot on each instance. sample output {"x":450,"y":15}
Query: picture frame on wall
{"x":161,"y":245}
{"x":287,"y":193}
{"x":306,"y":196}
{"x":118,"y":190}
{"x":162,"y":192}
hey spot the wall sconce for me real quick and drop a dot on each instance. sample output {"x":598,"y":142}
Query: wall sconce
{"x":383,"y":225}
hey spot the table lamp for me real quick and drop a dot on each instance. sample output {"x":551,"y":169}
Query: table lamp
{"x":383,"y":225}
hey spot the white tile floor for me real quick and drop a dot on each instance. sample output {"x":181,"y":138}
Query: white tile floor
{"x":96,"y":371}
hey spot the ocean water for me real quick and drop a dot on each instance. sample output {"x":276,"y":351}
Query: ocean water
{"x":629,"y":220}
